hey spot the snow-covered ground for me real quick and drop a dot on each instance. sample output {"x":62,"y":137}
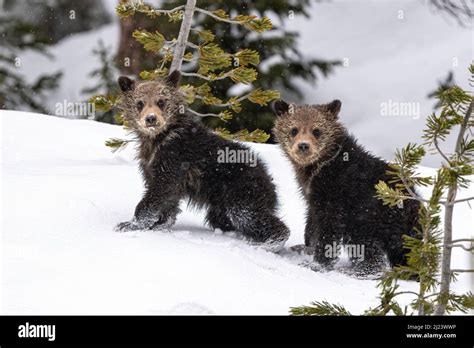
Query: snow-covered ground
{"x":62,"y":193}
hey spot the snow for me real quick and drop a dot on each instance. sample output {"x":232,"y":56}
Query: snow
{"x":63,"y":192}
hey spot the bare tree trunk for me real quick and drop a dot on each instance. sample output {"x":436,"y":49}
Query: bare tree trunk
{"x":183,"y":35}
{"x":421,"y":295}
{"x":448,"y":227}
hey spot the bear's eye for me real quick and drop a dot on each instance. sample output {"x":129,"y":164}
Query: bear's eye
{"x":140,"y":105}
{"x":160,"y":103}
{"x":316,"y":132}
{"x":294,"y":131}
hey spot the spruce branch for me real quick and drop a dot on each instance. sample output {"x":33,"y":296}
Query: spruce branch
{"x":462,"y":240}
{"x":224,"y":115}
{"x":250,"y":22}
{"x":129,"y":8}
{"x":461,"y":246}
{"x":462,"y":271}
{"x":257,"y":136}
{"x":462,"y":200}
{"x":117,"y":144}
{"x":323,"y":308}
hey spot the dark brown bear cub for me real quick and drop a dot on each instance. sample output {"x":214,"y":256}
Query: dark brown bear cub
{"x":180,"y":158}
{"x":337,"y":177}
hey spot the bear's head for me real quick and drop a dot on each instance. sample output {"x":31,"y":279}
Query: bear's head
{"x":150,"y":107}
{"x":307,"y":132}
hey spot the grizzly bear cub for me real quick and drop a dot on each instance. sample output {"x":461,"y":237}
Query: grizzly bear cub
{"x":180,"y":158}
{"x":337,"y":178}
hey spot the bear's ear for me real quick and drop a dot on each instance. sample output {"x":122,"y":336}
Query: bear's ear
{"x":126,"y":84}
{"x":280,"y":107}
{"x":333,"y":108}
{"x":173,"y":79}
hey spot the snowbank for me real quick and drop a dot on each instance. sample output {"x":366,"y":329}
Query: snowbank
{"x":63,"y":192}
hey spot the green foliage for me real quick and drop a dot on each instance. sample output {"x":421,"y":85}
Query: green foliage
{"x":256,"y":136}
{"x":424,"y":254}
{"x":103,"y":102}
{"x":212,"y":58}
{"x":320,"y":308}
{"x":117,"y":144}
{"x":153,"y":42}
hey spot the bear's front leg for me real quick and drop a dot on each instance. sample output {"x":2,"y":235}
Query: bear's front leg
{"x":323,"y":241}
{"x":156,"y":210}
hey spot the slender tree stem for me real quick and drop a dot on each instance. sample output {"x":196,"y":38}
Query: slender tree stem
{"x":446,"y":271}
{"x":182,"y":41}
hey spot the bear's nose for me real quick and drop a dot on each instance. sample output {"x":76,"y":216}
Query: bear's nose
{"x":303,"y":147}
{"x":150,"y":120}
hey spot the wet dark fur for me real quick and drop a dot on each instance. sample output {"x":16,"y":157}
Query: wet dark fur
{"x":180,"y":161}
{"x":341,"y":194}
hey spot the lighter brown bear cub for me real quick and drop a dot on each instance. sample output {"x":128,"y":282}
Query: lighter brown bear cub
{"x":338,"y":177}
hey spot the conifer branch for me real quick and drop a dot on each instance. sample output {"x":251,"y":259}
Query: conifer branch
{"x":222,"y":77}
{"x":463,"y":240}
{"x":222,"y":19}
{"x":461,"y":246}
{"x":250,"y":22}
{"x":128,"y":8}
{"x":192,"y":45}
{"x":203,"y":115}
{"x":408,"y":187}
{"x":462,"y":200}
{"x":442,"y":154}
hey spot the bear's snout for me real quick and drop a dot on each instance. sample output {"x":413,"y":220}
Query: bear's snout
{"x":303,"y":147}
{"x":150,"y":120}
